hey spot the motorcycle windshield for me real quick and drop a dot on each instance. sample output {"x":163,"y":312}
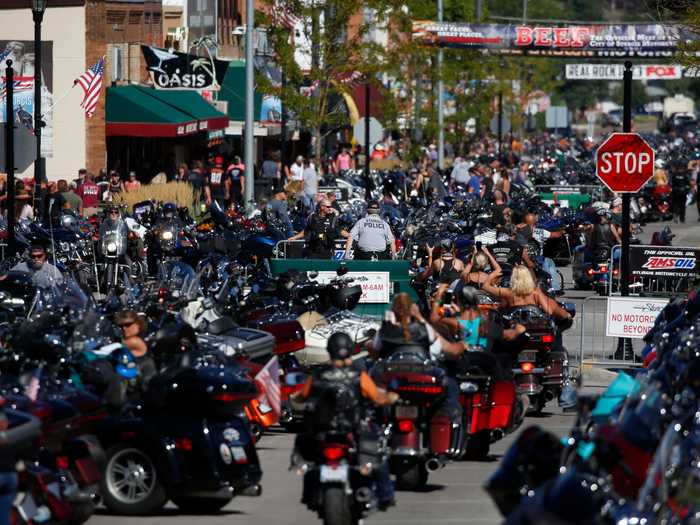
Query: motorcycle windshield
{"x":113,"y":239}
{"x":180,"y":278}
{"x":66,"y":296}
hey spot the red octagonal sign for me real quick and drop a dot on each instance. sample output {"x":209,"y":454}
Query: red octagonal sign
{"x":625,"y":162}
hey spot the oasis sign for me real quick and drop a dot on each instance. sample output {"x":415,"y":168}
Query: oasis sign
{"x":175,"y":70}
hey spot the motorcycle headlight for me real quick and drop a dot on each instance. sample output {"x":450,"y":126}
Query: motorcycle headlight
{"x":64,"y":246}
{"x":167,"y":235}
{"x":112,"y":247}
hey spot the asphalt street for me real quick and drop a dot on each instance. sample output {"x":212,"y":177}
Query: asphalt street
{"x":454,"y":494}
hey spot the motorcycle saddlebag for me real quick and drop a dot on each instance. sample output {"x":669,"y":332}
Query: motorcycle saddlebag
{"x":440,"y":434}
{"x":255,"y":343}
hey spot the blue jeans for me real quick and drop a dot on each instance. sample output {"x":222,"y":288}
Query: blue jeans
{"x":549,"y":267}
{"x":8,"y":491}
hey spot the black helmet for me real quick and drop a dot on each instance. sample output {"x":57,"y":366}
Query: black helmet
{"x":679,"y":164}
{"x":447,"y":245}
{"x":169,"y":209}
{"x":340,"y":346}
{"x":469,"y":297}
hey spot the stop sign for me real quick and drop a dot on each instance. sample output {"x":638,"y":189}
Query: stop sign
{"x":625,"y":162}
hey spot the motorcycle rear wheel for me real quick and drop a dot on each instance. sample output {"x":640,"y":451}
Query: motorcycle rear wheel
{"x":413,"y":478}
{"x":337,"y":508}
{"x":201,"y":505}
{"x":478,"y":445}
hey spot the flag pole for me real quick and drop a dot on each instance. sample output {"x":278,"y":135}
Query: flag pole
{"x":59,"y":99}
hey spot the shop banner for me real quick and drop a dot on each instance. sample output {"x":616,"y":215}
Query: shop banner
{"x":632,"y":317}
{"x":21,"y":52}
{"x":175,"y":70}
{"x":615,"y":71}
{"x":657,"y":261}
{"x":595,"y":41}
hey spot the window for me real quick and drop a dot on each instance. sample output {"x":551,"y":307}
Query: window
{"x":115,"y":17}
{"x":134,"y":18}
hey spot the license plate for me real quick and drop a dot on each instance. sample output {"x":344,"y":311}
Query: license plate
{"x":331,"y":474}
{"x":406,"y":412}
{"x":239,"y":455}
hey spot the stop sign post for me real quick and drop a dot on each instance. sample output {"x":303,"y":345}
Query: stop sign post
{"x":625,"y":162}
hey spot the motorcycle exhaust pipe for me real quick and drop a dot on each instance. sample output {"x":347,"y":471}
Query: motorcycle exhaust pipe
{"x":363,"y":495}
{"x":433,"y":464}
{"x":253,"y":491}
{"x":497,"y":434}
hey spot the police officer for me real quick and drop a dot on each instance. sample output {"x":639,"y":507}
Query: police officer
{"x":373,"y":235}
{"x":680,"y":186}
{"x":320,"y":233}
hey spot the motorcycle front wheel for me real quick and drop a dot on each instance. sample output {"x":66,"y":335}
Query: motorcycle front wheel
{"x":337,"y":508}
{"x":131,"y":485}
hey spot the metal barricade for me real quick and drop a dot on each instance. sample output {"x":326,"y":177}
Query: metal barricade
{"x":597,"y":349}
{"x":281,"y":250}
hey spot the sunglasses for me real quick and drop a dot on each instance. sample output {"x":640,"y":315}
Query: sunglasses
{"x":37,"y":255}
{"x":126,"y":324}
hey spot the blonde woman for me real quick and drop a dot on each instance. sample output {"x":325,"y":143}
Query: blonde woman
{"x":523,"y":292}
{"x":474,"y":273}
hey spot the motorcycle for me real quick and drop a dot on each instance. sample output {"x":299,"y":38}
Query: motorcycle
{"x":186,"y":441}
{"x":421,"y":438}
{"x":542,"y":365}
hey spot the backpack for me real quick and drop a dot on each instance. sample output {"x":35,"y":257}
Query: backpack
{"x":336,"y":392}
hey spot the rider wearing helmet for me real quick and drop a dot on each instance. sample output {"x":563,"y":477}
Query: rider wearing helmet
{"x":338,"y":389}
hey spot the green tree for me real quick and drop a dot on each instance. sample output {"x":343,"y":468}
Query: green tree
{"x":639,"y":95}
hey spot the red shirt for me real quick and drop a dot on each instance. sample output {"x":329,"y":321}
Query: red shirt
{"x":90,"y":193}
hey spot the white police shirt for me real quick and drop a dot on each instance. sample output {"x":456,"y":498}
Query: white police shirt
{"x":372,"y":234}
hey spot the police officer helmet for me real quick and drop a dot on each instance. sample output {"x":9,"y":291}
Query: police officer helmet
{"x":340,"y":346}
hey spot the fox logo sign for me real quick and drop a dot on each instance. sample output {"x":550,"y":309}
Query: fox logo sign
{"x":687,"y":263}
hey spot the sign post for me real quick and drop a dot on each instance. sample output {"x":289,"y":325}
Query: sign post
{"x":626,"y":128}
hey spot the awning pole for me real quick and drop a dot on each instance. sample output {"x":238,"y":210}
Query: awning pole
{"x":249,"y":94}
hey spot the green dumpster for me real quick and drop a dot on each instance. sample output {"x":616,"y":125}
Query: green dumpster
{"x":398,"y":280}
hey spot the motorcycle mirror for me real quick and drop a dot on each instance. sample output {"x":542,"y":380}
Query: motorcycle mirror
{"x":312,"y":274}
{"x":342,"y":270}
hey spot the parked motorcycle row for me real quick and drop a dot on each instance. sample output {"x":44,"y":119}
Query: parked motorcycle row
{"x":632,"y":455}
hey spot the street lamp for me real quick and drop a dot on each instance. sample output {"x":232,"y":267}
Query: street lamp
{"x":38,"y":8}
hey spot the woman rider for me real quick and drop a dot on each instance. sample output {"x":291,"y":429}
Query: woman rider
{"x":474,"y":273}
{"x":403,"y":327}
{"x":477,"y":328}
{"x":523,"y":292}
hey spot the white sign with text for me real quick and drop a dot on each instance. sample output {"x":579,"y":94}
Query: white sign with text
{"x":376,"y":286}
{"x":632,"y":317}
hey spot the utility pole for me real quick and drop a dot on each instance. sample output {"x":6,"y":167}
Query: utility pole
{"x":249,"y":99}
{"x":367,"y":152}
{"x":524,"y":12}
{"x":441,"y":99}
{"x":478,"y":11}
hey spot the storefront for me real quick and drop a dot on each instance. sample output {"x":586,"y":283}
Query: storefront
{"x":149,"y":131}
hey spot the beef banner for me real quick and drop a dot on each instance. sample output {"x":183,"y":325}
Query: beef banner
{"x":658,"y":261}
{"x":593,"y":41}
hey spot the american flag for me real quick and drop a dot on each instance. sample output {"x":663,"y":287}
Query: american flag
{"x":281,"y":15}
{"x":91,"y":82}
{"x":269,"y":380}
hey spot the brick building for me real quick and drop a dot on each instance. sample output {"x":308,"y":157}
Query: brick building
{"x":79,"y":32}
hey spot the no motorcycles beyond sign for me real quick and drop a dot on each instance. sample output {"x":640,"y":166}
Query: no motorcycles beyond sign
{"x":625,"y":162}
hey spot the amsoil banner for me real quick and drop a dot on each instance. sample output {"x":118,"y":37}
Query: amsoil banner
{"x":595,"y":41}
{"x":615,"y":71}
{"x":657,"y":261}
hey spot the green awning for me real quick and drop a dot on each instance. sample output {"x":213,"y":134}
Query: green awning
{"x":138,"y":111}
{"x":233,"y":91}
